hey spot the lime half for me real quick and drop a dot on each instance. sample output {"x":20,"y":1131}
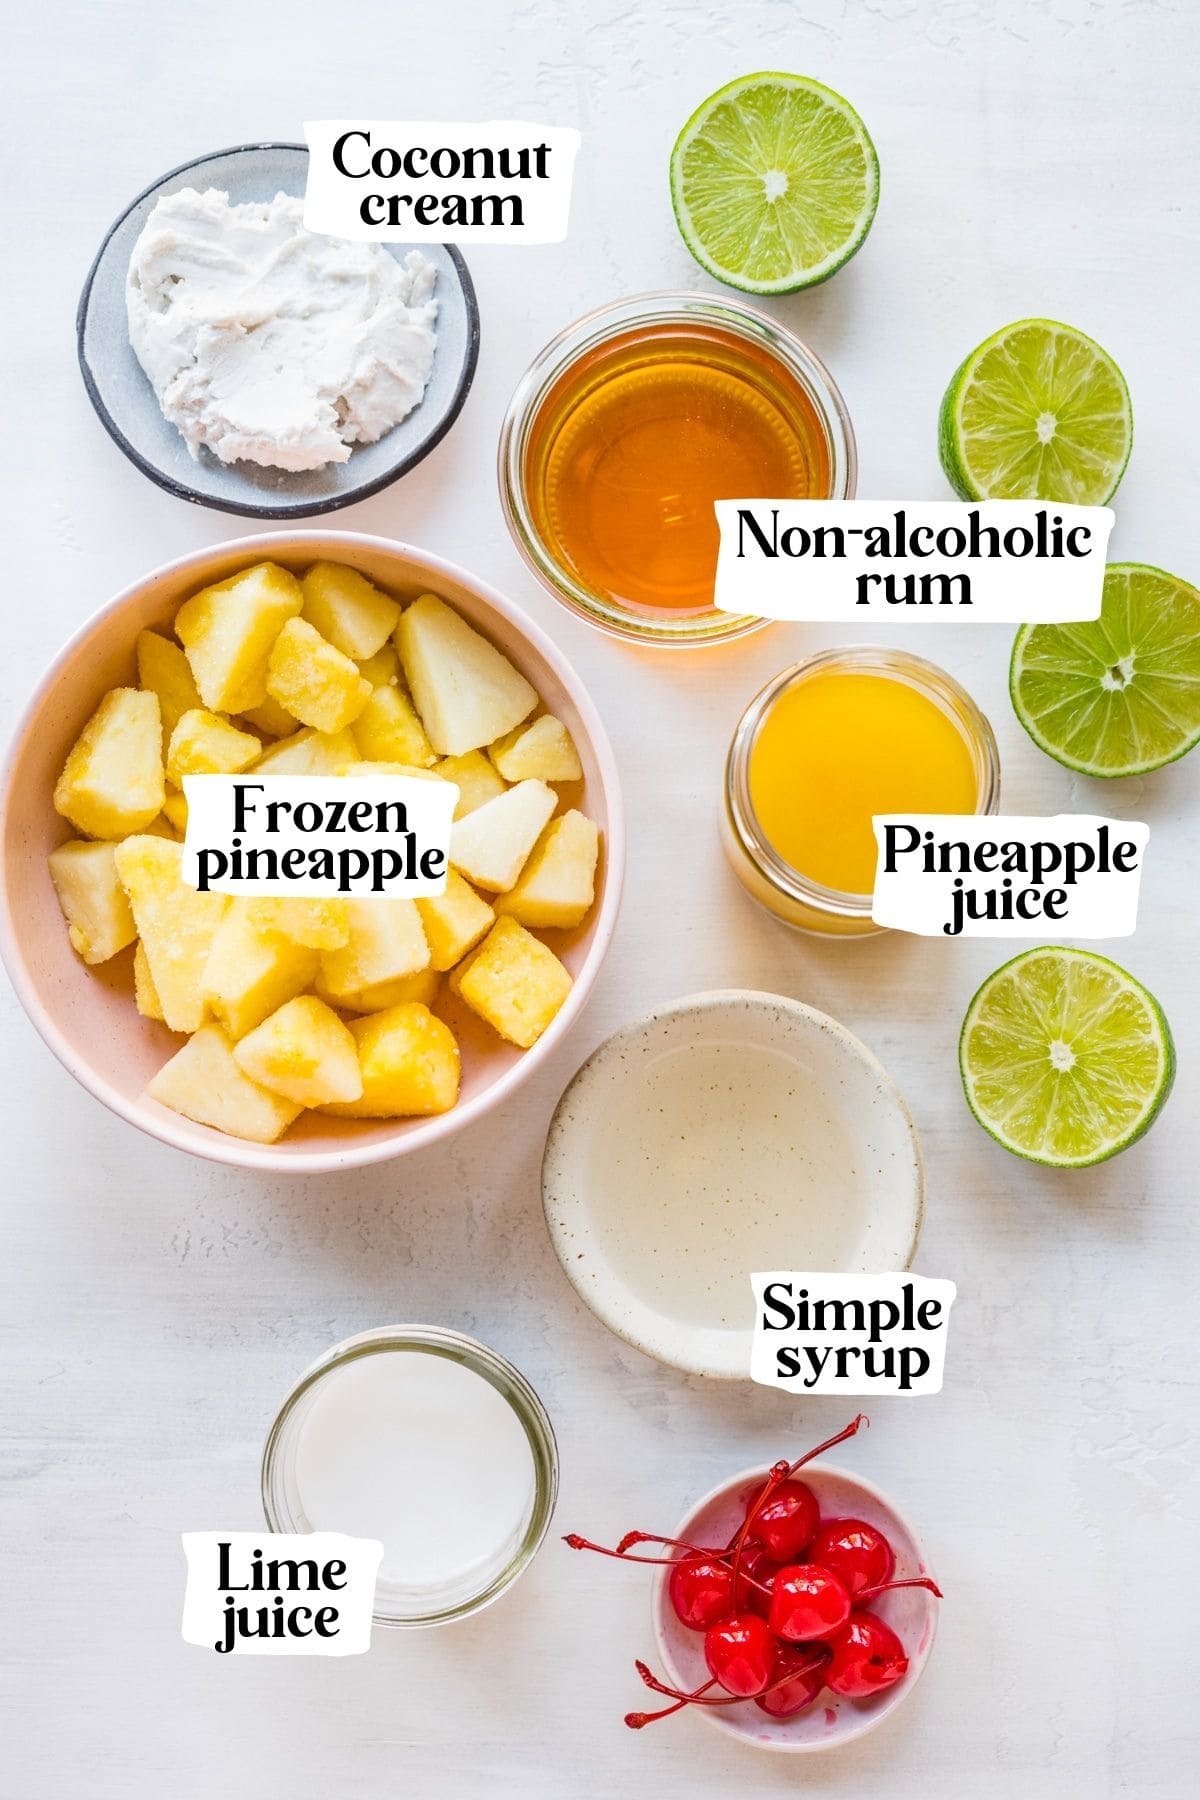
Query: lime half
{"x":774,"y":183}
{"x":1118,"y":695}
{"x":1065,"y":1058}
{"x":1038,"y":412}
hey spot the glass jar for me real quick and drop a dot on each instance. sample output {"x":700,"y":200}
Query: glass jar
{"x":397,"y":1604}
{"x":784,"y":891}
{"x":742,"y":353}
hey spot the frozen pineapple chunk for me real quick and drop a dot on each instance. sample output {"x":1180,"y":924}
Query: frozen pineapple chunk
{"x":386,"y":941}
{"x":309,"y":753}
{"x":271,"y":719}
{"x":228,"y":629}
{"x":409,"y":1062}
{"x":202,"y":744}
{"x":558,"y":883}
{"x":303,"y":1052}
{"x":454,"y":921}
{"x":381,"y":669}
{"x":422,"y":986}
{"x":313,"y":680}
{"x":491,"y":844}
{"x":251,"y":971}
{"x":164,"y":670}
{"x":474,"y":776}
{"x":175,"y":922}
{"x":348,"y":609}
{"x":203,"y":1082}
{"x":175,"y":811}
{"x":112,"y":781}
{"x":465,"y":690}
{"x":145,"y":994}
{"x":388,"y":730}
{"x":95,"y":905}
{"x":311,"y":920}
{"x":514,"y":982}
{"x":543,"y":751}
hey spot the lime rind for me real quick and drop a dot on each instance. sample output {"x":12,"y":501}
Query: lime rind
{"x":991,"y":438}
{"x":1123,"y":1057}
{"x":752,"y":128}
{"x":1120,"y":695}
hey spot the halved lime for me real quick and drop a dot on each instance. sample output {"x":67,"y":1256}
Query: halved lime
{"x":1117,"y":695}
{"x":1037,"y":412}
{"x":774,"y":183}
{"x":1065,"y":1058}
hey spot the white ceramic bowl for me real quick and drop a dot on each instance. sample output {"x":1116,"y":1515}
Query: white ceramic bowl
{"x":831,"y":1721}
{"x":724,"y":1134}
{"x":88,"y":1018}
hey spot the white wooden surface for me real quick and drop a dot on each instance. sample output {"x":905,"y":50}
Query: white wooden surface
{"x":1037,"y":158}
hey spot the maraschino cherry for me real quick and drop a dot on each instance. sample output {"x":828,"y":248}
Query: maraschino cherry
{"x":856,"y":1552}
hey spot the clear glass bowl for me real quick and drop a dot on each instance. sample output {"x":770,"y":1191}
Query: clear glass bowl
{"x":284,"y":1508}
{"x":623,"y":320}
{"x":789,"y":895}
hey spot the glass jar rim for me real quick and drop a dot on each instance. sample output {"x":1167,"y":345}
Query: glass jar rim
{"x":603,"y":323}
{"x":483,"y":1361}
{"x":927,"y":678}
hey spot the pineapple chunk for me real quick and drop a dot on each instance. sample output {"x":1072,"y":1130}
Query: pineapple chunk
{"x":465,"y":690}
{"x":386,"y":942}
{"x":474,"y":776}
{"x":388,"y":730}
{"x":309,"y":753}
{"x":112,"y":780}
{"x":175,"y":922}
{"x":422,"y":986}
{"x":95,"y":905}
{"x":454,"y":921}
{"x":313,"y":680}
{"x":162,"y":826}
{"x":145,"y":994}
{"x":514,"y":981}
{"x":251,"y":972}
{"x":203,"y":744}
{"x":543,"y":750}
{"x":491,"y":844}
{"x":347,"y":609}
{"x":382,"y":669}
{"x":175,"y":809}
{"x":228,"y":629}
{"x":164,"y":670}
{"x":314,"y":922}
{"x":303,"y":1052}
{"x":558,"y":883}
{"x":273,"y":720}
{"x":409,"y":1062}
{"x":203,"y":1082}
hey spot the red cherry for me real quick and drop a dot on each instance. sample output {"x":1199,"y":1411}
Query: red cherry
{"x":756,"y":1578}
{"x":857,"y":1553}
{"x":807,"y":1602}
{"x":701,"y":1592}
{"x":741,"y":1654}
{"x":798,"y":1681}
{"x":785,"y":1521}
{"x":867,"y":1657}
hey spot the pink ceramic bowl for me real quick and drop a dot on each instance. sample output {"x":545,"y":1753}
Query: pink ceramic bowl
{"x":87,"y":1016}
{"x":830,"y":1721}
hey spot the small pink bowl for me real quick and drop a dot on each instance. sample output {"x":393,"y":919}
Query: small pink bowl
{"x":830,"y":1721}
{"x":87,"y":1016}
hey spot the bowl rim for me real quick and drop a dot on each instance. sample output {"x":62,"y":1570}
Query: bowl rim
{"x":671,"y":1344}
{"x":241,"y":1153}
{"x":860,"y":1723}
{"x":182,"y":490}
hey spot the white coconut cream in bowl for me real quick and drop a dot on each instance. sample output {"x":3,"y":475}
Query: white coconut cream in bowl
{"x":723,"y":1134}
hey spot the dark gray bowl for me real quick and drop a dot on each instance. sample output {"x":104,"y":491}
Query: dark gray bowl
{"x":128,"y":406}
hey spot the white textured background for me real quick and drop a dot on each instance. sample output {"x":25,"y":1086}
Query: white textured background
{"x":1037,"y":158}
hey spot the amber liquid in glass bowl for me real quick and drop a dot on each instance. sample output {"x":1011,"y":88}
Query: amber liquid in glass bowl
{"x":638,"y":437}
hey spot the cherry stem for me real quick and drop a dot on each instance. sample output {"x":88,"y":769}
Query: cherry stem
{"x":699,"y":1695}
{"x":692,"y":1552}
{"x":851,"y":1430}
{"x":886,"y":1587}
